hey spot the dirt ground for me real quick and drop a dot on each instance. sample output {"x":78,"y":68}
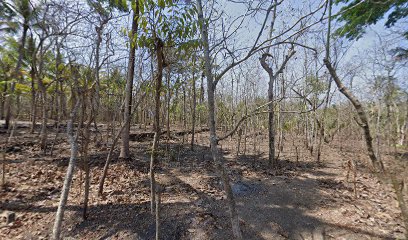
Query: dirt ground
{"x":303,"y":200}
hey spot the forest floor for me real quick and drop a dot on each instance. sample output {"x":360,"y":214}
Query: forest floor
{"x":302,"y":200}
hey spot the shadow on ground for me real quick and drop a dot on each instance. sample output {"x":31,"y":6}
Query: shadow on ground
{"x":272,"y":206}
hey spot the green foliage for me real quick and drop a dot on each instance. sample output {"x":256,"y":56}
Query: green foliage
{"x":386,"y":87}
{"x":8,"y":59}
{"x":100,"y":8}
{"x":121,"y":5}
{"x":290,"y":124}
{"x":6,"y":18}
{"x":360,"y":14}
{"x":22,"y":88}
{"x":173,"y":23}
{"x":314,"y":85}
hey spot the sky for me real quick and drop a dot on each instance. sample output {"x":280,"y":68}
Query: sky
{"x":287,"y":14}
{"x":360,"y":48}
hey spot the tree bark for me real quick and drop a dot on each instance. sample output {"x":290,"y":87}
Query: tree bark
{"x":184,"y":112}
{"x":16,"y":73}
{"x":43,"y":133}
{"x":273,"y":162}
{"x":3,"y":101}
{"x":68,"y":177}
{"x":87,"y":103}
{"x":218,"y":160}
{"x":193,"y":119}
{"x":376,"y":163}
{"x":124,"y":150}
{"x":33,"y":101}
{"x":168,"y":105}
{"x":153,"y":156}
{"x":108,"y":159}
{"x":398,"y":186}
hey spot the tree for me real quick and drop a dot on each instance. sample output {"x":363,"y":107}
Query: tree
{"x":356,"y":20}
{"x":271,"y":120}
{"x":22,"y":9}
{"x":161,"y":31}
{"x":256,"y":46}
{"x":124,"y":150}
{"x":6,"y":18}
{"x":72,"y":137}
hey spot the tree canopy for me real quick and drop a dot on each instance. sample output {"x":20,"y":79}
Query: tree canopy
{"x":361,"y":14}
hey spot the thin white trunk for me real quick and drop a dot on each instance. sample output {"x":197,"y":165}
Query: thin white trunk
{"x":56,"y":232}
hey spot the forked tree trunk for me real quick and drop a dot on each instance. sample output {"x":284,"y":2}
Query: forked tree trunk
{"x":322,"y":125}
{"x":273,"y":162}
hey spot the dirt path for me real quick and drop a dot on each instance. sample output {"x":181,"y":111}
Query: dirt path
{"x":313,"y":202}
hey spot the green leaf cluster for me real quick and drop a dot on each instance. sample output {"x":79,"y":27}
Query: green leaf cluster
{"x":358,"y":14}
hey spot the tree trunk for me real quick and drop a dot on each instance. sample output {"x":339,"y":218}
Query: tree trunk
{"x":219,"y":161}
{"x":8,"y":103}
{"x":377,"y":164}
{"x":3,"y":167}
{"x":184,"y":113}
{"x":158,"y":203}
{"x":86,"y":168}
{"x":168,"y":104}
{"x":3,"y":100}
{"x":16,"y":73}
{"x":124,"y":150}
{"x":272,"y":161}
{"x":404,"y":127}
{"x":398,"y":186}
{"x":87,"y":103}
{"x":168,"y":97}
{"x":108,"y":159}
{"x":153,"y":157}
{"x":68,"y":177}
{"x":193,"y":117}
{"x":33,"y":101}
{"x":43,"y":133}
{"x":321,"y":124}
